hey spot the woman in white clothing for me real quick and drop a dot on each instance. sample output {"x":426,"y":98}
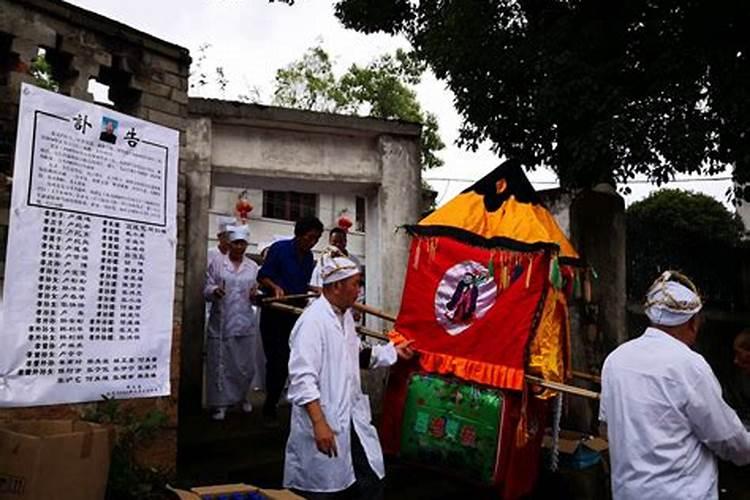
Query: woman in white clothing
{"x":231,"y":284}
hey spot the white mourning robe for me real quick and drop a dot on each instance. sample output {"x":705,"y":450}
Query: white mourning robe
{"x":213,"y":254}
{"x":231,"y":335}
{"x":666,"y":421}
{"x":324,"y":365}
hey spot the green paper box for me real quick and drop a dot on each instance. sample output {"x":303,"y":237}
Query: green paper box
{"x":452,"y":424}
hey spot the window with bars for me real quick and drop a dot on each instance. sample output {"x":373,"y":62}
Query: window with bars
{"x":289,"y":205}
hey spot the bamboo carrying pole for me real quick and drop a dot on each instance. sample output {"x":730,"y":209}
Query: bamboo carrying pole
{"x":568,"y":389}
{"x":286,"y":307}
{"x":299,"y":296}
{"x":360,"y":329}
{"x":587,"y":376}
{"x":373,"y":312}
{"x":555,"y":386}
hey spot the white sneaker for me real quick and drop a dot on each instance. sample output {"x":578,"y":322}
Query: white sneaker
{"x":219,"y":414}
{"x":247,"y":407}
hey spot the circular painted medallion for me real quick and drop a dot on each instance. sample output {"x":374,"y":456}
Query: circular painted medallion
{"x":465,"y":294}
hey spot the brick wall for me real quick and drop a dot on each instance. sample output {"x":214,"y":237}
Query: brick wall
{"x":147,"y":78}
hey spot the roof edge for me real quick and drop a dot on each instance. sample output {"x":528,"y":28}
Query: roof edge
{"x":234,"y":111}
{"x":99,"y":23}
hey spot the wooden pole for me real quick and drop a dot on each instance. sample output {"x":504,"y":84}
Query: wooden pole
{"x":360,"y":329}
{"x":286,"y":307}
{"x":587,"y":376}
{"x":373,"y":312}
{"x":270,"y":300}
{"x":568,"y":389}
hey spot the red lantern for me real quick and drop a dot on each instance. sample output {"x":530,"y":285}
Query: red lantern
{"x":345,"y":223}
{"x":243,"y":207}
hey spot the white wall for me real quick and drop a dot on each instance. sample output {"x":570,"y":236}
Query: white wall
{"x":263,"y":230}
{"x":338,"y":165}
{"x":296,"y":155}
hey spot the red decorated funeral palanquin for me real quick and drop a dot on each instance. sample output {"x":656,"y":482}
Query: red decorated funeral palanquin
{"x":485,"y":301}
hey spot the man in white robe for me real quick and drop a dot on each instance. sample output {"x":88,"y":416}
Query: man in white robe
{"x":333,"y":446}
{"x":662,"y":405}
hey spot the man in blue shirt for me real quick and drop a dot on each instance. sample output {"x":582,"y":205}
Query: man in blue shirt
{"x":286,"y":271}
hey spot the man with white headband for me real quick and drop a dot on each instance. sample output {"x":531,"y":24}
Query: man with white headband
{"x":662,"y":405}
{"x":332,"y":445}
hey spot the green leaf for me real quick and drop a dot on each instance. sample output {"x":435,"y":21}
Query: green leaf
{"x":382,"y":89}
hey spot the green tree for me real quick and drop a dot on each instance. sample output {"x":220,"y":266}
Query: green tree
{"x":41,"y":71}
{"x":600,"y":91}
{"x":692,"y":232}
{"x":309,"y":83}
{"x":382,"y":89}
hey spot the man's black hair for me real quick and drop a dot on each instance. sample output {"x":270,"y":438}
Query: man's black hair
{"x":307,"y":224}
{"x":337,"y":230}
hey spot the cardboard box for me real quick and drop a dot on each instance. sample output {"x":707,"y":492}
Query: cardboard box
{"x":578,"y":450}
{"x":53,"y":460}
{"x":227,"y":491}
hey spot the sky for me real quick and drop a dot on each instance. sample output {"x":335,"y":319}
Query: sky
{"x":251,"y":39}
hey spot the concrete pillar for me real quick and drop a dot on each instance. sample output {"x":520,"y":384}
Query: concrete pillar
{"x":397,"y":202}
{"x":399,"y":198}
{"x":597,"y":226}
{"x":197,"y":169}
{"x":598,"y":231}
{"x":373,"y":275}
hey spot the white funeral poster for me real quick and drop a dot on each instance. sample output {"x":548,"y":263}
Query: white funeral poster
{"x":90,"y":267}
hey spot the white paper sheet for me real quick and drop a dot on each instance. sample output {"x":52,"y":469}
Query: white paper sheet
{"x":90,"y":270}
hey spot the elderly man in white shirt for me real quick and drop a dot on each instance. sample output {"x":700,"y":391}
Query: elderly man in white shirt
{"x":662,"y":406}
{"x":333,"y":446}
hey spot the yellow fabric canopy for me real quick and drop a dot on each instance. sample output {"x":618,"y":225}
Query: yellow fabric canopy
{"x":504,"y":210}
